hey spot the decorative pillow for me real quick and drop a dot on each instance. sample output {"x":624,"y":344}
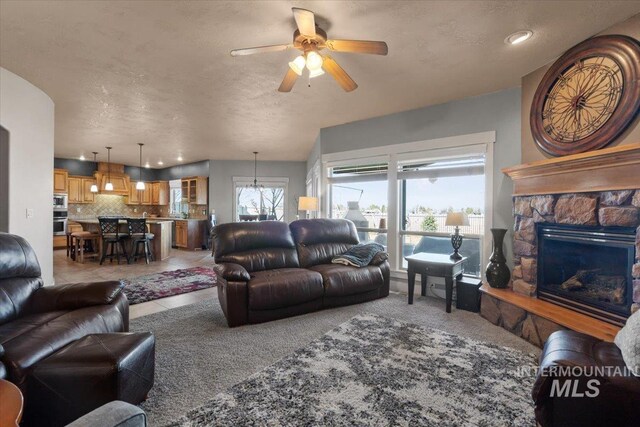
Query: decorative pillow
{"x":379,"y":258}
{"x":359,"y":255}
{"x":628,"y":341}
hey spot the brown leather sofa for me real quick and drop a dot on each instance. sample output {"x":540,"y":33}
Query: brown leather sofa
{"x":37,"y":321}
{"x":270,"y":270}
{"x":618,"y":394}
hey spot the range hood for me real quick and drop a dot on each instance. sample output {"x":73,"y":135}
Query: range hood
{"x":121,"y":181}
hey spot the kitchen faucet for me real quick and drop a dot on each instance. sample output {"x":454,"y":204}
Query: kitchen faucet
{"x":144,"y":214}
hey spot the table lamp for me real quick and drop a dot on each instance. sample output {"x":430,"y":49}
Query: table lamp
{"x":308,"y":204}
{"x":457,"y":219}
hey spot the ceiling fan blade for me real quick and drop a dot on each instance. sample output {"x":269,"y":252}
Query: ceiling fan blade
{"x":358,"y":46}
{"x":341,"y":76}
{"x":261,"y":49}
{"x":305,"y":20}
{"x":288,"y":81}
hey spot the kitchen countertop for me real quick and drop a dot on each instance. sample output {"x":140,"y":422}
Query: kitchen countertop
{"x":123,"y":221}
{"x":149,"y":219}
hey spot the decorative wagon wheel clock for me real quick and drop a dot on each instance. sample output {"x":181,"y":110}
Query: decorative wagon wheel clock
{"x":588,"y":97}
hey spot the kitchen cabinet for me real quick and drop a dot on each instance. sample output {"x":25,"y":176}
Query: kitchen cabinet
{"x":160,"y":193}
{"x":80,"y":189}
{"x":74,"y":187}
{"x":154,"y":194}
{"x":60,"y":181}
{"x":190,"y":233}
{"x":87,"y":195}
{"x":194,"y":190}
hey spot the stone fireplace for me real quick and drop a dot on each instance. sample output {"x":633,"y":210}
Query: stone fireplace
{"x":576,"y":246}
{"x":588,"y":219}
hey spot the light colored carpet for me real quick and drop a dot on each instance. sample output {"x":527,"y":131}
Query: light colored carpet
{"x":198,"y":356}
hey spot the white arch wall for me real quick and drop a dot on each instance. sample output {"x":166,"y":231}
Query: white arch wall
{"x":28,"y":114}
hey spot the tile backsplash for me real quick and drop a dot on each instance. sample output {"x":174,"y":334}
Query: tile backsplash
{"x":111,"y":204}
{"x":108,"y":204}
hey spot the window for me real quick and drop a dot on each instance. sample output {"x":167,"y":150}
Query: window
{"x":266,"y":202}
{"x":431,"y":188}
{"x":399,"y":195}
{"x":175,"y":197}
{"x":359,"y":193}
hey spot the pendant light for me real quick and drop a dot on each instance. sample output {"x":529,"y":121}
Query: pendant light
{"x":255,"y":173}
{"x":140,"y":183}
{"x":94,"y":187}
{"x":108,"y":186}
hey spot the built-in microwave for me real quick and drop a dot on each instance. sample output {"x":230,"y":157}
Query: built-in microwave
{"x":60,"y":202}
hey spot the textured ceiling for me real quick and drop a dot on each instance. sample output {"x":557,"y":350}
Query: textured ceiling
{"x":160,"y":72}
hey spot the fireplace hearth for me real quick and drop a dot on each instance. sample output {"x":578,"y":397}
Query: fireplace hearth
{"x":587,"y":269}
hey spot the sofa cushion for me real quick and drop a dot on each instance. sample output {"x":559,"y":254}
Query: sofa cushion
{"x":255,"y":246}
{"x":319,"y":240}
{"x":283,"y":287}
{"x":24,"y":324}
{"x":343,"y":280}
{"x":34,"y":344}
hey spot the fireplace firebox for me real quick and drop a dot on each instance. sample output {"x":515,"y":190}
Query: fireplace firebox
{"x":587,"y":269}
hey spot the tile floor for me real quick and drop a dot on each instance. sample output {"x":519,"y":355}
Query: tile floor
{"x":66,"y":270}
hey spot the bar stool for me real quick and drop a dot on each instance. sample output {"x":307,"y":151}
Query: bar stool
{"x":82,"y":239}
{"x":111,"y":238}
{"x":139,"y":236}
{"x":71,"y":246}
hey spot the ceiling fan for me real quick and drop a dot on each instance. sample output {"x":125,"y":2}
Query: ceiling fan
{"x":311,"y":39}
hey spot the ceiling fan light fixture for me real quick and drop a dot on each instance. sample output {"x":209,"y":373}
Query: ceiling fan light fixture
{"x":316,"y":73}
{"x":297,"y":65}
{"x":518,"y":37}
{"x":314,"y":61}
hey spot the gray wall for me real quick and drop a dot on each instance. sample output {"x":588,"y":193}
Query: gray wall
{"x":499,"y":111}
{"x":221,"y":173}
{"x":315,"y":153}
{"x":87,"y":168}
{"x":4,"y":180}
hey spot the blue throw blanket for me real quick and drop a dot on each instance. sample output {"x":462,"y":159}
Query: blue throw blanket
{"x":359,"y":255}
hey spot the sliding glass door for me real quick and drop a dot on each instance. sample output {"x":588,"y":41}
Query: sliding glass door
{"x":401,"y":199}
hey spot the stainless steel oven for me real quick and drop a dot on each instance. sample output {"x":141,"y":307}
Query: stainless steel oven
{"x":60,"y":202}
{"x":59,"y":223}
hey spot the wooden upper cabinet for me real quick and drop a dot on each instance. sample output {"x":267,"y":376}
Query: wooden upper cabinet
{"x":160,"y":193}
{"x":60,"y":181}
{"x":87,"y":195}
{"x":80,"y":189}
{"x":194,"y":190}
{"x":74,"y":186}
{"x":154,"y":193}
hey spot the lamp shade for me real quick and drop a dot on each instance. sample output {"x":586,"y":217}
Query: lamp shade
{"x":457,"y":219}
{"x":308,"y":204}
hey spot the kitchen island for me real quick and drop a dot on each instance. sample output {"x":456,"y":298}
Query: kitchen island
{"x":161,"y":229}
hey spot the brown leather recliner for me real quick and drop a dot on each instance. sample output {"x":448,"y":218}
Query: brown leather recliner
{"x":37,"y":321}
{"x":269,"y":270}
{"x":563,"y":394}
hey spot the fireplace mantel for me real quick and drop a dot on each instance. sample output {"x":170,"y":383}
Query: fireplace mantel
{"x":615,"y":168}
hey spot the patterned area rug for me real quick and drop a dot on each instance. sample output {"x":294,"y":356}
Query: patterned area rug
{"x":374,"y":371}
{"x":168,"y":283}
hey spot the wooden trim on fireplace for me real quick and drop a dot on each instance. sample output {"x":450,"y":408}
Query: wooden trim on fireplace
{"x":615,"y":168}
{"x":560,"y":315}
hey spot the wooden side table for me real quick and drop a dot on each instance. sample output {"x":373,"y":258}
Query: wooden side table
{"x":11,"y":402}
{"x":427,"y":264}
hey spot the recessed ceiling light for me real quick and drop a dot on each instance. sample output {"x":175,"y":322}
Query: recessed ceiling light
{"x":146,"y":165}
{"x":179,"y":158}
{"x":82,"y":158}
{"x":160,"y":162}
{"x":518,"y":37}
